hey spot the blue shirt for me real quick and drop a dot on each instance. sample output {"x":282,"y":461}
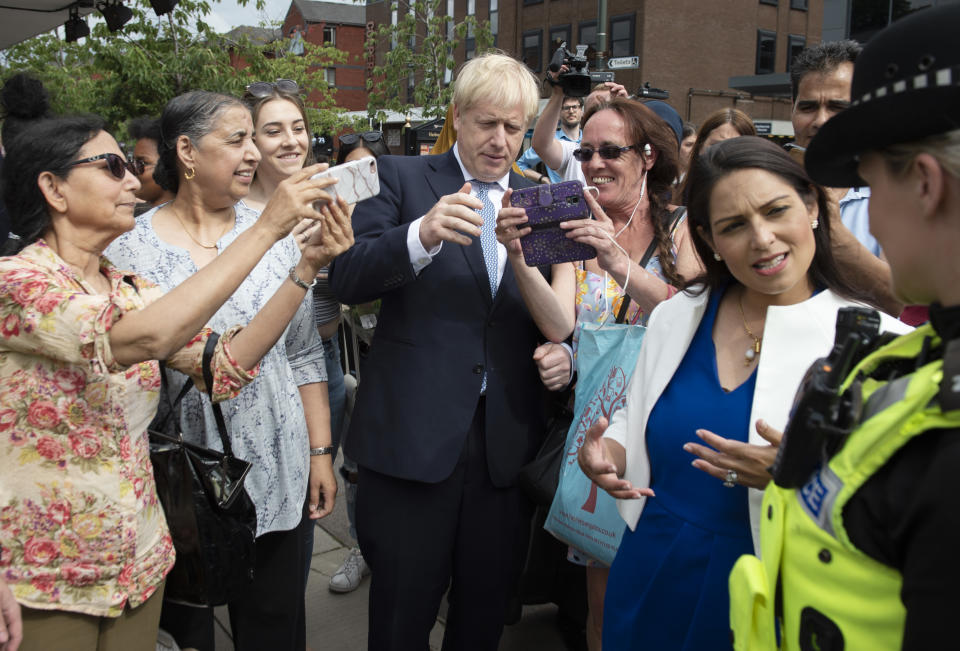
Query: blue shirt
{"x":853,"y":213}
{"x":529,"y":159}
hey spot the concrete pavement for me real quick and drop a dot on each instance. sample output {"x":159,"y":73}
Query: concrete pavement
{"x":338,"y":622}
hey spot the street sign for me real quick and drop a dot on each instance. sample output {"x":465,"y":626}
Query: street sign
{"x":622,"y":63}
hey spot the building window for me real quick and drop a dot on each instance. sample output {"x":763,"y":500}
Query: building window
{"x":587,"y":35}
{"x":330,"y":76}
{"x":532,"y":2}
{"x":558,"y":36}
{"x":533,"y":49}
{"x":494,"y":20}
{"x":770,"y":2}
{"x":621,"y":36}
{"x":798,"y":4}
{"x":867,"y":17}
{"x":470,"y":42}
{"x":448,"y":73}
{"x":795,"y":47}
{"x":329,"y":35}
{"x":766,"y":51}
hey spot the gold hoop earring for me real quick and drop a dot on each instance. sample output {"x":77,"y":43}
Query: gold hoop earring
{"x":190,"y":173}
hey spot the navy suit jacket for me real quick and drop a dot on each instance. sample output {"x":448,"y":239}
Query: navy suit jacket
{"x":437,"y":333}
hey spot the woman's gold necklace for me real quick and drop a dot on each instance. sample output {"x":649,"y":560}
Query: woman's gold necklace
{"x":753,"y":351}
{"x":195,"y":240}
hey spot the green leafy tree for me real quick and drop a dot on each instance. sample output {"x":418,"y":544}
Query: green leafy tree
{"x":135,"y":71}
{"x":420,"y":48}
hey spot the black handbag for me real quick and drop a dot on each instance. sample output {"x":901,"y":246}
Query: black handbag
{"x":211,"y":518}
{"x":539,"y":478}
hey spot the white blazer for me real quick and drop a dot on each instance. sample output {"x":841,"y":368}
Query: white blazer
{"x":794,"y":336}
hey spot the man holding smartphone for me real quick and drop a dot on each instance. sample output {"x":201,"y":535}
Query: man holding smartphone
{"x":451,"y":405}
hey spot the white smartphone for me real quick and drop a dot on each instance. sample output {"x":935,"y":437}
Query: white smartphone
{"x":356,"y":180}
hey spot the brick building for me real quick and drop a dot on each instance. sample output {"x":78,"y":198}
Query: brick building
{"x":343,"y":26}
{"x":691,"y":48}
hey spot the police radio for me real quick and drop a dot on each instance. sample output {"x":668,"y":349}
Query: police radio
{"x":821,"y":417}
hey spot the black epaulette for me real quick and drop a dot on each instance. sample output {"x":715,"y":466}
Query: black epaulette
{"x":949,"y":396}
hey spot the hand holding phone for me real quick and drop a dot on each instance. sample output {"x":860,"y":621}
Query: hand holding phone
{"x":547,"y":206}
{"x":356,"y":180}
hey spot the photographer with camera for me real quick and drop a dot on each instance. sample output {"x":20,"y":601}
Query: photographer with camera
{"x":558,"y":154}
{"x":860,"y":531}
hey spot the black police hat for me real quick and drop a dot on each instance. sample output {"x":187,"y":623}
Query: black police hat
{"x":906,"y":86}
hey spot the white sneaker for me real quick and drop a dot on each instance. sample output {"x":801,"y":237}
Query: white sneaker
{"x":165,"y":641}
{"x":348,"y":577}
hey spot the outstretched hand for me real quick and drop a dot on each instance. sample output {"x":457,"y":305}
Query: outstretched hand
{"x":596,"y":464}
{"x":750,"y":462}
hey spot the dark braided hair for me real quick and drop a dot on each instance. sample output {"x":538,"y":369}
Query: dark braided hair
{"x":644,"y":126}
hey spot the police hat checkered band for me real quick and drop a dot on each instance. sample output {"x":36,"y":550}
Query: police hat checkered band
{"x":941,"y":78}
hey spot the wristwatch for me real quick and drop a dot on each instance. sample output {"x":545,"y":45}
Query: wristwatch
{"x":299,"y":283}
{"x":315,"y":452}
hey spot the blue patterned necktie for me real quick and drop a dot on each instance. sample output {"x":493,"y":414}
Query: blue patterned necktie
{"x":488,"y":235}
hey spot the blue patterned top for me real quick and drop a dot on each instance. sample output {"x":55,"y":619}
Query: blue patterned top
{"x":265,"y":421}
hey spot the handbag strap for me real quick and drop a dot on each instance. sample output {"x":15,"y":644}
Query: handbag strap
{"x":208,"y":380}
{"x":675,"y":217}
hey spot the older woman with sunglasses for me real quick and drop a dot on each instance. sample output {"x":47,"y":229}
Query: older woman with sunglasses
{"x":84,"y":542}
{"x":279,"y":423}
{"x":630,"y":156}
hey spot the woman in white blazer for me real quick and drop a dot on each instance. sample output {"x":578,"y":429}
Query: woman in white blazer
{"x":722,"y":362}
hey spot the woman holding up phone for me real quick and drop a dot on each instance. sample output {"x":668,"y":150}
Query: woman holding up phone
{"x":280,"y":422}
{"x":630,"y":156}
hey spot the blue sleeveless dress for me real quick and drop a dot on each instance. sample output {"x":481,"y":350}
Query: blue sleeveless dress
{"x":668,"y":582}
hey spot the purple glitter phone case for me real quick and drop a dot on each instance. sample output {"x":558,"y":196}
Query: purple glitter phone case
{"x":547,"y":206}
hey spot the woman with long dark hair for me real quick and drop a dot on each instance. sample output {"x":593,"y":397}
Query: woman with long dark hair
{"x":720,"y":360}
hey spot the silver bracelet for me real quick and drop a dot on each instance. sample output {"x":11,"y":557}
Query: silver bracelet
{"x":299,"y":283}
{"x":315,"y":452}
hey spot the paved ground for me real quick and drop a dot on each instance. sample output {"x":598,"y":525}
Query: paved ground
{"x":338,"y":622}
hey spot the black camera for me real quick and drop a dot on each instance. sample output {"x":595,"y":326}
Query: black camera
{"x":578,"y":80}
{"x":647,"y":92}
{"x":822,"y":418}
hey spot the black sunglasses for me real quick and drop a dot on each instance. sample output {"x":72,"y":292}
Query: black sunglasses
{"x":115,"y":163}
{"x":266,"y":88}
{"x":607,"y":152}
{"x":368,"y":136}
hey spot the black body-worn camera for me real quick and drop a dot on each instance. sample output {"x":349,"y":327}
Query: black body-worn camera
{"x":578,"y":80}
{"x":822,"y":418}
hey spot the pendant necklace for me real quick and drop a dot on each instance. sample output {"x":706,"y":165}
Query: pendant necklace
{"x":751,"y":353}
{"x":195,"y":240}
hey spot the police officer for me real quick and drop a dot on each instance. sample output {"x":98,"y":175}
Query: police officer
{"x":865,"y":552}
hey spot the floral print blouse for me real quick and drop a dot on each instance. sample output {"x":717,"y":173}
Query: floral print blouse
{"x":595,"y":302}
{"x":80,"y":526}
{"x":265,"y":421}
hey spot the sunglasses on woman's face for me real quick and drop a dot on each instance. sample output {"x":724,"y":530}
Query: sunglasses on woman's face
{"x":265,"y":88}
{"x":607,"y":152}
{"x":368,"y":136}
{"x":115,"y":163}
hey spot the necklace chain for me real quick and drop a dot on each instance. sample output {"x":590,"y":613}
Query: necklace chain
{"x":751,"y":353}
{"x":195,"y":240}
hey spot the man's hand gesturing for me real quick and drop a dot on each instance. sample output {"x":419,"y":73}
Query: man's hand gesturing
{"x":452,"y":219}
